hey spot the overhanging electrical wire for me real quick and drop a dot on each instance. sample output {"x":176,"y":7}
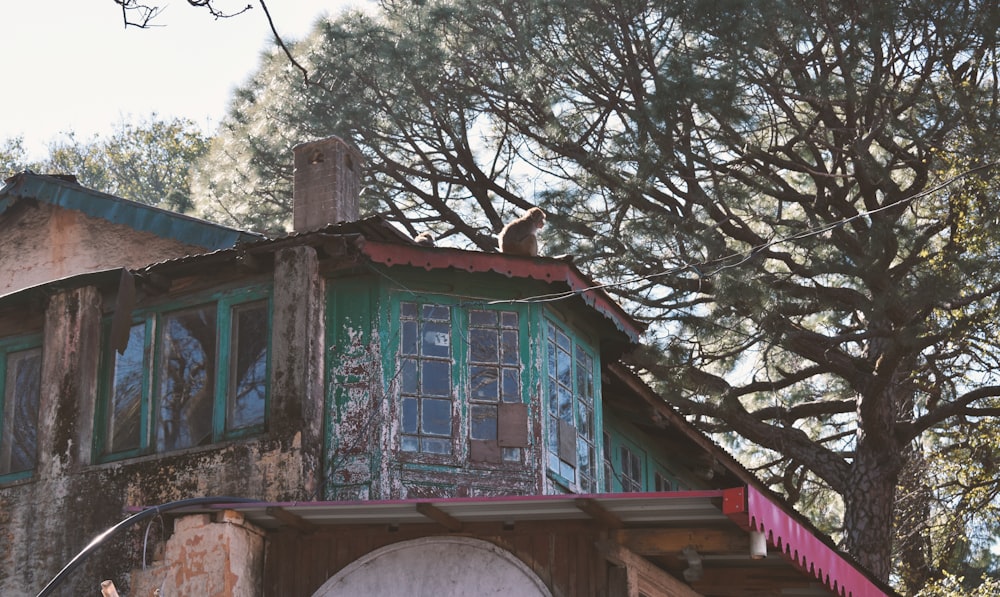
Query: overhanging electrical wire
{"x":125,"y":524}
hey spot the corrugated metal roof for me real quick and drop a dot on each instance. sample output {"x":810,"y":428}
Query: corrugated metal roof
{"x":635,"y":509}
{"x":740,"y":509}
{"x":544,"y":269}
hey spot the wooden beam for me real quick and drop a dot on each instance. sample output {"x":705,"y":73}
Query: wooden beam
{"x":596,"y":511}
{"x":660,"y":542}
{"x":439,"y":516}
{"x":293,"y":520}
{"x":644,"y":578}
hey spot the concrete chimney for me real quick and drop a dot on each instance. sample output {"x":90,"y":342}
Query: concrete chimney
{"x":327,"y":184}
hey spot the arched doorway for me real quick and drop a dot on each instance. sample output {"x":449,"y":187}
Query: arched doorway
{"x":436,"y":567}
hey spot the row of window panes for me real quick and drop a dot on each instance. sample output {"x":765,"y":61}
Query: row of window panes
{"x":631,"y":477}
{"x":570,"y":373}
{"x":426,"y":359}
{"x":209,"y":378}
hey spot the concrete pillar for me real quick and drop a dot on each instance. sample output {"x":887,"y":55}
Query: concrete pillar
{"x":71,"y":352}
{"x":297,"y":337}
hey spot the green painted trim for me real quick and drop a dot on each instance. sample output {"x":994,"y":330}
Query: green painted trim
{"x":7,"y":346}
{"x":582,"y":340}
{"x":224,"y":300}
{"x":655,"y":458}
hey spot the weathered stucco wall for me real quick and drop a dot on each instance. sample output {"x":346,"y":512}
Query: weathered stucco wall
{"x":42,"y":242}
{"x":47,"y":519}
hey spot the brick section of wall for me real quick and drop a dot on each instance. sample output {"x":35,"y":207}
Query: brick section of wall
{"x":327,"y":184}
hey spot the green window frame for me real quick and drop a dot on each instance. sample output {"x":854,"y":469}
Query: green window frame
{"x":20,"y":383}
{"x":460,"y":379}
{"x":573,"y":406}
{"x":633,"y":464}
{"x":194,"y":372}
{"x":426,"y":389}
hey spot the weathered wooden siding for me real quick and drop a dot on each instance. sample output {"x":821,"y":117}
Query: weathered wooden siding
{"x":563,"y":554}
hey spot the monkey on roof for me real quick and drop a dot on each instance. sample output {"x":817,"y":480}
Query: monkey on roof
{"x":518,"y":237}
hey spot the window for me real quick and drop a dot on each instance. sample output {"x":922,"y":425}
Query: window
{"x":571,"y":384}
{"x":497,"y":416}
{"x":631,"y":470}
{"x":661,"y":482}
{"x":473,"y":353}
{"x":209,"y":381}
{"x":20,"y":379}
{"x":425,"y":378}
{"x":609,"y":468}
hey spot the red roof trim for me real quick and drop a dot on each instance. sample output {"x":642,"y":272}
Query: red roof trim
{"x":545,"y":270}
{"x":751,"y":509}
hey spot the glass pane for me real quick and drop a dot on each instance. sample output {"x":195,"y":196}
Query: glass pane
{"x":410,"y":444}
{"x":436,"y":417}
{"x":484,"y":383}
{"x":484,"y":421}
{"x":436,"y":340}
{"x":433,"y":445}
{"x":483,"y":318}
{"x":125,"y":411}
{"x":408,"y":376}
{"x":438,"y":312}
{"x":553,"y":436}
{"x":562,"y":340}
{"x":565,"y":405}
{"x":436,"y":378}
{"x":553,"y":398}
{"x":585,"y":463}
{"x":483,"y":346}
{"x":508,"y":348}
{"x":584,"y":376}
{"x":409,"y":341}
{"x":408,"y":310}
{"x":511,"y":454}
{"x":248,"y":370}
{"x":19,"y":431}
{"x":584,"y":421}
{"x":187,"y":374}
{"x":508,"y":319}
{"x":511,"y":385}
{"x":564,"y":368}
{"x":567,"y":471}
{"x":409,"y":415}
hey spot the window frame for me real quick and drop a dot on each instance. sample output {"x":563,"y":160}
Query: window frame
{"x":554,"y":426}
{"x":465,"y":449}
{"x":8,"y":346}
{"x":227,"y":303}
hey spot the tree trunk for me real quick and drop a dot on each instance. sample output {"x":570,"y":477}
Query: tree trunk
{"x":868,"y":509}
{"x":913,"y":512}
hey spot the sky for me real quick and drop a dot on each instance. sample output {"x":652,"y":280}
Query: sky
{"x":72,"y":65}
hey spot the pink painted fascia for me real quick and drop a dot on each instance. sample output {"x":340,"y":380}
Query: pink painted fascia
{"x":535,"y":268}
{"x":754,"y":511}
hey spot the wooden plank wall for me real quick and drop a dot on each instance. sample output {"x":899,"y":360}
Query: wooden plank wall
{"x":562,"y":554}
